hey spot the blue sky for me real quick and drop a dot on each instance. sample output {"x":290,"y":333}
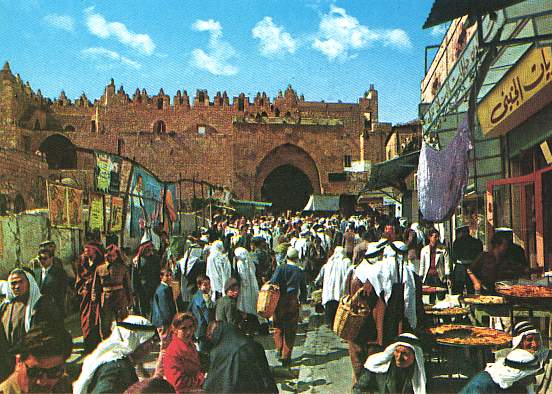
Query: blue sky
{"x":327,"y":50}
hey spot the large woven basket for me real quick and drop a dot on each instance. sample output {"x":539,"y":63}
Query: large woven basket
{"x":349,"y":318}
{"x":268,"y":300}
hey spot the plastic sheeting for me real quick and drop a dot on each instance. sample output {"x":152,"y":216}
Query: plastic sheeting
{"x":443,"y":175}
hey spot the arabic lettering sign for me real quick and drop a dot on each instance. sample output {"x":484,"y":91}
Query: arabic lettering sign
{"x":96,"y":221}
{"x":108,"y":169}
{"x":516,"y":97}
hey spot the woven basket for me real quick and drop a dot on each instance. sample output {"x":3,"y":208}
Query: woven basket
{"x":349,"y":318}
{"x":268,"y":300}
{"x":175,"y":287}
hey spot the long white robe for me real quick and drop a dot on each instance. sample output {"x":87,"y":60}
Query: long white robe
{"x":249,"y":289}
{"x":335,"y":276}
{"x":218,"y":268}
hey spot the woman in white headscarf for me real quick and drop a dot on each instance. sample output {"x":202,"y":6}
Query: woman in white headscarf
{"x":218,"y":269}
{"x":333,"y":276}
{"x":110,"y":367}
{"x":398,"y":369}
{"x":249,"y":288}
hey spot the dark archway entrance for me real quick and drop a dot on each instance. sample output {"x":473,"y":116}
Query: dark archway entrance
{"x":60,"y":152}
{"x":287,"y":187}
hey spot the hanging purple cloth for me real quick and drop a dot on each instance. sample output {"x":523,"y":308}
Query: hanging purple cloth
{"x":442,"y":176}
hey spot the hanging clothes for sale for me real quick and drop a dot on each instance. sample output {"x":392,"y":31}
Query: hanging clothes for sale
{"x":442,"y":176}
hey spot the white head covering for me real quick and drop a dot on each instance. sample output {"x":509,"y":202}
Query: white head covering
{"x":121,"y":343}
{"x":217,"y":247}
{"x":380,"y":362}
{"x":241,"y":253}
{"x":335,"y":275}
{"x":419,"y":233}
{"x":524,"y":328}
{"x":517,"y":365}
{"x":34,"y":296}
{"x":394,"y":267}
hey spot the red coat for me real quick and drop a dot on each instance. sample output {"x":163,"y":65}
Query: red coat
{"x":181,"y":366}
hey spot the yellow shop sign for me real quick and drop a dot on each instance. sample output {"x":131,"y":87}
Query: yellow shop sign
{"x":523,"y":91}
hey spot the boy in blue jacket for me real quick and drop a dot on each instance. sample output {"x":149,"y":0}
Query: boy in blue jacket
{"x":163,"y":310}
{"x":203,"y":308}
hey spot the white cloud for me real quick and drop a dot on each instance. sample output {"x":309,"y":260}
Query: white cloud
{"x":63,"y":22}
{"x":340,"y":33}
{"x":439,"y":30}
{"x":216,"y":59}
{"x":209,"y":25}
{"x":99,"y":53}
{"x":274,"y":40}
{"x":100,"y":27}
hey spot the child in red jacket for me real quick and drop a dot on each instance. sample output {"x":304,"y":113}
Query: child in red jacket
{"x":181,"y":360}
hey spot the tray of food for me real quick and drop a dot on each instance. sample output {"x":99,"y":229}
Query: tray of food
{"x":484,"y":300}
{"x":525,"y":292}
{"x":452,"y":311}
{"x":433,"y":289}
{"x":466,"y":336}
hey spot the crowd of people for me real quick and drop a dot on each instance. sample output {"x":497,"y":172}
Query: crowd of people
{"x":197,"y":305}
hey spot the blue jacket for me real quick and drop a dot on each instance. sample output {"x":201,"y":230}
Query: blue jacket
{"x":292,"y":278}
{"x":163,"y":308}
{"x":482,"y":383}
{"x":201,"y":312}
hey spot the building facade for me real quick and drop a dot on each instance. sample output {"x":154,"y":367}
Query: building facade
{"x":254,"y":148}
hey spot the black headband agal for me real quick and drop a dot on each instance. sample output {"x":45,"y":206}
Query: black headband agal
{"x":137,"y":327}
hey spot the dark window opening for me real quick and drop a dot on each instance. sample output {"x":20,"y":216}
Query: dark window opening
{"x":3,"y":204}
{"x":277,"y":112}
{"x":337,"y":177}
{"x":36,"y":125}
{"x":347,"y":161}
{"x":264,"y":114}
{"x":120,"y":145}
{"x":160,"y":103}
{"x":159,"y":127}
{"x":288,"y":114}
{"x":93,"y":126}
{"x":69,"y":128}
{"x":241,"y":105}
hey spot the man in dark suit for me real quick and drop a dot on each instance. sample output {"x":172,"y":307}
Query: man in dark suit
{"x":51,"y":279}
{"x":163,"y":310}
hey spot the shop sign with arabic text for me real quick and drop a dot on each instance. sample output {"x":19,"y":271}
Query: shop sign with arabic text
{"x":523,"y":91}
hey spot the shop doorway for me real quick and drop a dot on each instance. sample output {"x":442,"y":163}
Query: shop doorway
{"x":524,"y":204}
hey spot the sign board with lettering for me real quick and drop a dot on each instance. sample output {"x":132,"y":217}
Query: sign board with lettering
{"x":524,"y":90}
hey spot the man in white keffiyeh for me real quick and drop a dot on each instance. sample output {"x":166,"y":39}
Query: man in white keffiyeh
{"x":110,"y":367}
{"x":398,"y":369}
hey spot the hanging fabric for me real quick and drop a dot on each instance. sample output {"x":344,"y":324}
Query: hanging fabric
{"x":443,"y":175}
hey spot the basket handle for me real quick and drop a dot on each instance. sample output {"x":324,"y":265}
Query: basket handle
{"x":357,"y":294}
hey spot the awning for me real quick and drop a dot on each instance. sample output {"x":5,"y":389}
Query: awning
{"x":392,"y":172}
{"x":446,"y":10}
{"x":322,"y":203}
{"x":257,"y":204}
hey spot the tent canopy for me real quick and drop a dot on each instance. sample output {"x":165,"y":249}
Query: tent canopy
{"x":392,"y":172}
{"x":322,"y":203}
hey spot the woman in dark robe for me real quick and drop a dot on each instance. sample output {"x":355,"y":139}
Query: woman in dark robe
{"x":91,"y":258}
{"x":237,"y":364}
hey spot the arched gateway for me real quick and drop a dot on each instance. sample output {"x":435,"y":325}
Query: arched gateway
{"x":287,"y":176}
